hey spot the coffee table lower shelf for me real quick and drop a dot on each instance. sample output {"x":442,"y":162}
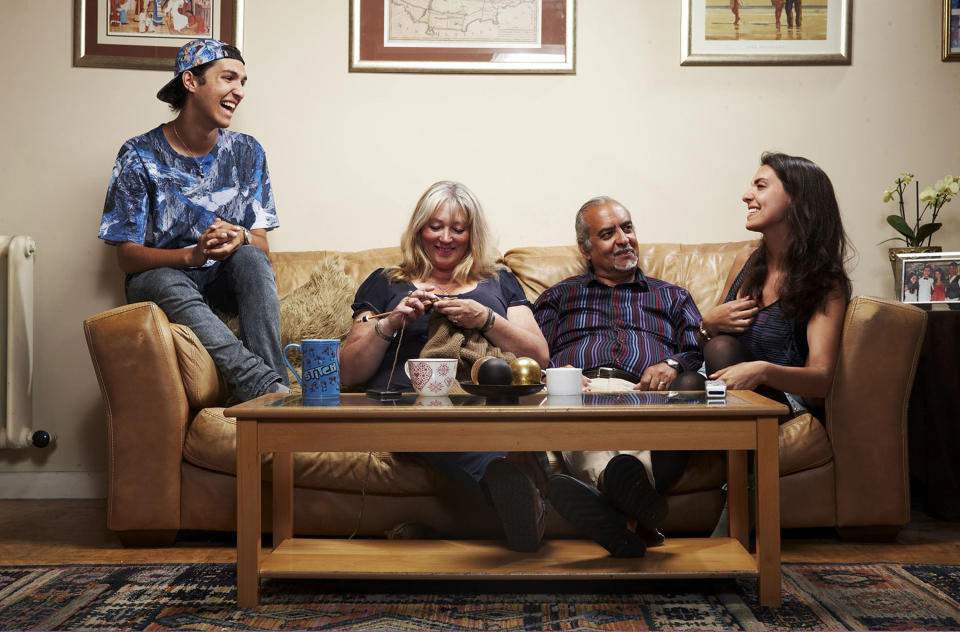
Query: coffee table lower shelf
{"x":491,"y":560}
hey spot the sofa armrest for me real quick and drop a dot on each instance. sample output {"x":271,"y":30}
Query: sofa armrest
{"x":867,"y":411}
{"x":147,"y":412}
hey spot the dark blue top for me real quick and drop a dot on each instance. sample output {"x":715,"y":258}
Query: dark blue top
{"x":378,"y":294}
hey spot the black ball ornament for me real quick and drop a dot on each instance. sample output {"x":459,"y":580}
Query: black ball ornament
{"x":494,"y":371}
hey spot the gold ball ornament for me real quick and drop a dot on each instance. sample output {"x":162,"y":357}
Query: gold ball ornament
{"x":524,"y":371}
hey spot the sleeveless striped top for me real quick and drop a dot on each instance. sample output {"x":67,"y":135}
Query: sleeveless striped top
{"x":772,"y":337}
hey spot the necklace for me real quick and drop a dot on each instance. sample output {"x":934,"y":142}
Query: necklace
{"x":450,"y":290}
{"x":196,"y":161}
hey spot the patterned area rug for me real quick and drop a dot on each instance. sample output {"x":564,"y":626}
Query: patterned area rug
{"x":203,"y":597}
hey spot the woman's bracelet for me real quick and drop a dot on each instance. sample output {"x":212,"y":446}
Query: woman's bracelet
{"x":376,"y":328}
{"x":704,"y":333}
{"x":491,"y":316}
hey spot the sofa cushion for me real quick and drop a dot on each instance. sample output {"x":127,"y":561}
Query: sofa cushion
{"x":803,"y":444}
{"x":537,"y":268}
{"x":700,"y":268}
{"x":201,"y":381}
{"x":320,"y":308}
{"x":211,"y":443}
{"x":293,"y":269}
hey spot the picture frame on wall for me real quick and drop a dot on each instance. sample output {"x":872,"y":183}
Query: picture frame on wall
{"x":524,"y":36}
{"x":930,"y":278}
{"x":951,"y":30}
{"x":148,"y":33}
{"x":765,"y":32}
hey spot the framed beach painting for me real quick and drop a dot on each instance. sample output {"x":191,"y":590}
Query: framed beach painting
{"x":462,"y":36}
{"x":765,"y":32}
{"x":148,"y":33}
{"x":951,"y":30}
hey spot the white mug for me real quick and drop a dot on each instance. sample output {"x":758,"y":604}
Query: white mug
{"x":566,"y":401}
{"x":431,"y":376}
{"x":564,"y":381}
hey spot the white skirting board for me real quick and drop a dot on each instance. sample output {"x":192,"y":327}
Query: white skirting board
{"x":27,"y":485}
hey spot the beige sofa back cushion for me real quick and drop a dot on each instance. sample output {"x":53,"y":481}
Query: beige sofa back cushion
{"x":700,"y":268}
{"x":293,"y":269}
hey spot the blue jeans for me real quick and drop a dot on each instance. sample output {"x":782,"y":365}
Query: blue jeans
{"x":467,"y":468}
{"x":244,"y":285}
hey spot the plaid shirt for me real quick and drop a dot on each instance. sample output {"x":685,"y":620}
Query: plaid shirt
{"x":630,"y":326}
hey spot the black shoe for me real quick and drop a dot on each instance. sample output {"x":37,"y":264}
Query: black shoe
{"x":651,"y":538}
{"x":534,"y":465}
{"x":586,"y":509}
{"x":626,"y":486}
{"x":518,"y":503}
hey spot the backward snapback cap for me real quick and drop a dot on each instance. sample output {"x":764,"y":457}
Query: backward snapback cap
{"x":192,"y":54}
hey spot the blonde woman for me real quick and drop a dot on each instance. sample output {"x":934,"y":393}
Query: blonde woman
{"x":446,"y":252}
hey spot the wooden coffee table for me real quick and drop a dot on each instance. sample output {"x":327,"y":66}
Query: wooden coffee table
{"x":280,"y":425}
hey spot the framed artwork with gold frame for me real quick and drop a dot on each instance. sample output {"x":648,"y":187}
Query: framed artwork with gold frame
{"x":148,"y":33}
{"x":462,"y":36}
{"x":951,"y":30}
{"x":765,"y":32}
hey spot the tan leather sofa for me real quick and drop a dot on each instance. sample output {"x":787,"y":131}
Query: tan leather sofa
{"x":172,"y":453}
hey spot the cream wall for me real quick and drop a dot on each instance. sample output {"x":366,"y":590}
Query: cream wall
{"x":350,"y":154}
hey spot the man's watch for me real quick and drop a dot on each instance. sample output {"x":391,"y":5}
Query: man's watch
{"x":247,"y":237}
{"x":673,"y":364}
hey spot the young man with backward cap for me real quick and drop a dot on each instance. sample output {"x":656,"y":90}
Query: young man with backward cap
{"x":188,"y":208}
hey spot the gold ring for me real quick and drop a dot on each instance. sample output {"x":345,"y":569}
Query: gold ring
{"x":661,"y":383}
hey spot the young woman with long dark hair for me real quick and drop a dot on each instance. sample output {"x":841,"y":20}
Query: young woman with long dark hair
{"x":778,"y":330}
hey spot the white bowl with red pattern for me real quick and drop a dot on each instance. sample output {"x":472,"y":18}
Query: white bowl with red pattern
{"x":431,"y":377}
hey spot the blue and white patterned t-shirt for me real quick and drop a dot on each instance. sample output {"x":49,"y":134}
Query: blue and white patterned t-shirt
{"x":162,"y":199}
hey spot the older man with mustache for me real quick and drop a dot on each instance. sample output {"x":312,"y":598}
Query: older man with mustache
{"x":625,"y":331}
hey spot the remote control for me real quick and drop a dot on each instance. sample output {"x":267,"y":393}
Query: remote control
{"x":716,"y":388}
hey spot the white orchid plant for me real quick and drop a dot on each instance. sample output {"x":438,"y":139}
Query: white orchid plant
{"x":933,"y":199}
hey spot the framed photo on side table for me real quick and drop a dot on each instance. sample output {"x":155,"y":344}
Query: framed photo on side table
{"x":951,"y":30}
{"x":462,"y":36}
{"x":765,"y":32}
{"x":930,"y":278}
{"x":148,"y":33}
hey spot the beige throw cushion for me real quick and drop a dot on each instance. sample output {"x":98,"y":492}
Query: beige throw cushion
{"x":320,"y":308}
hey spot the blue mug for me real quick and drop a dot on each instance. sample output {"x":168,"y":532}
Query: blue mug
{"x":321,"y":367}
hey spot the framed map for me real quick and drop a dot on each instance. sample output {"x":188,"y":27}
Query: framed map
{"x":463,"y":36}
{"x":148,"y":33}
{"x":768,"y":32}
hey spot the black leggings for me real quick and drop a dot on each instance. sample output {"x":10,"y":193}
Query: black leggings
{"x":668,"y":465}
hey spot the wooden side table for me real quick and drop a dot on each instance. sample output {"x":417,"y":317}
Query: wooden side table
{"x":934,"y":418}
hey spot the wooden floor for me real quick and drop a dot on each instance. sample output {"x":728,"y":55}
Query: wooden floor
{"x":74,"y":531}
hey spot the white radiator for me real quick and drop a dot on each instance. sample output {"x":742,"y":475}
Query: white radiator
{"x":17,"y":256}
